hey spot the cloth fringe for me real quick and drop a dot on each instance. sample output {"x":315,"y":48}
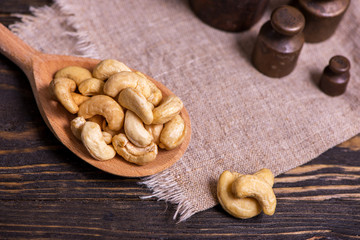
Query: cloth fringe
{"x":169,"y":191}
{"x":84,"y":46}
{"x":44,"y":12}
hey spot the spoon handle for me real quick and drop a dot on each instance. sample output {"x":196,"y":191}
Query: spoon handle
{"x":16,"y":50}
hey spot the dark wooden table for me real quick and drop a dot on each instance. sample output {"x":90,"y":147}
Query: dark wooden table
{"x":47,"y":192}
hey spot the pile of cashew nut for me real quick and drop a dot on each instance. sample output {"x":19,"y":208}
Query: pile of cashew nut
{"x":245,"y":196}
{"x":119,"y":111}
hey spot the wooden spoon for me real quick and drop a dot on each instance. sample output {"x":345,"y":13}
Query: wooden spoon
{"x":40,"y":68}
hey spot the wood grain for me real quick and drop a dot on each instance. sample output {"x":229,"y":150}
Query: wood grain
{"x":46,"y":192}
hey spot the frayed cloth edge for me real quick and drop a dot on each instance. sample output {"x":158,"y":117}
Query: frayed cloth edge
{"x":26,"y":19}
{"x":169,"y":191}
{"x":84,"y":46}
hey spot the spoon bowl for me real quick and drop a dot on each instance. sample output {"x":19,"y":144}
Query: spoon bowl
{"x":40,"y":69}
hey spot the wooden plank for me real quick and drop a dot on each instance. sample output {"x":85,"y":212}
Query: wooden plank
{"x":127,"y":219}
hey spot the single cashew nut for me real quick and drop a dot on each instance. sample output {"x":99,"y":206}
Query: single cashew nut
{"x":78,"y":98}
{"x":131,"y":153}
{"x":104,"y":69}
{"x":155,"y":131}
{"x":238,"y":207}
{"x":62,"y":89}
{"x":78,"y":74}
{"x":91,"y":86}
{"x":155,"y":93}
{"x":173,"y":133}
{"x":105,"y":106}
{"x":167,"y":110}
{"x":135,"y":130}
{"x":76,"y":126}
{"x":254,"y":186}
{"x":133,"y":100}
{"x":93,"y":140}
{"x":107,"y":137}
{"x":122,"y":80}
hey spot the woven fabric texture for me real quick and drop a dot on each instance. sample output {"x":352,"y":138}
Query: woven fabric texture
{"x":241,"y":120}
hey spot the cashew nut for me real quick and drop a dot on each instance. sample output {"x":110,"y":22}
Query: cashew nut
{"x":255,"y":187}
{"x":122,"y":80}
{"x":78,"y":98}
{"x":155,"y":131}
{"x":76,"y":126}
{"x":78,"y":74}
{"x":244,"y":206}
{"x":155,"y":93}
{"x":238,"y":207}
{"x":105,"y":106}
{"x":62,"y":89}
{"x":107,"y":137}
{"x":173,"y":133}
{"x":131,"y":153}
{"x":92,"y":138}
{"x":108,"y":67}
{"x":167,"y":110}
{"x":135,"y":131}
{"x":133,"y":100}
{"x":91,"y":86}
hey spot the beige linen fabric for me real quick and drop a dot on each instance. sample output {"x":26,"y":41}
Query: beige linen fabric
{"x":241,"y":120}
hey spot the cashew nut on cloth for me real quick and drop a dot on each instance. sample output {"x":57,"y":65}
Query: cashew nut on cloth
{"x":93,"y":140}
{"x":62,"y":89}
{"x":241,"y":204}
{"x":133,"y":154}
{"x":105,"y":106}
{"x":104,"y":69}
{"x":78,"y":74}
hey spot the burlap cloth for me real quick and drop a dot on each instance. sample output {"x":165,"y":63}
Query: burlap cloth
{"x":241,"y":120}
